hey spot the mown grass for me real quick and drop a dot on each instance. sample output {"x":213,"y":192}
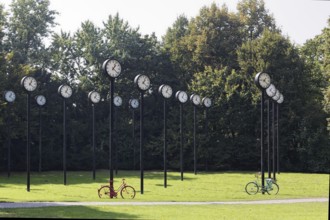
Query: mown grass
{"x":310,"y":211}
{"x":228,"y":186}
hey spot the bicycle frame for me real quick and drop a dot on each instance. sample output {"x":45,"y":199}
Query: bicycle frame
{"x":113,"y":193}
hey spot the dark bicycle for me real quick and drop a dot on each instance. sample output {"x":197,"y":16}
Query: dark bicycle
{"x":126,"y":191}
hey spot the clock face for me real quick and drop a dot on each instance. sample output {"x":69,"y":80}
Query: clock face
{"x":10,"y":96}
{"x":262,"y":80}
{"x":117,"y":100}
{"x":196,"y":99}
{"x":166,"y":91}
{"x":281,"y":99}
{"x":134,"y":103}
{"x":271,"y":90}
{"x":29,"y":83}
{"x":143,"y":82}
{"x":277,"y":95}
{"x":94,"y":96}
{"x":182,"y":96}
{"x":207,"y":102}
{"x":41,"y":100}
{"x":112,"y":68}
{"x":65,"y":91}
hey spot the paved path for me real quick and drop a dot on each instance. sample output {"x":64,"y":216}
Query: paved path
{"x":258,"y":202}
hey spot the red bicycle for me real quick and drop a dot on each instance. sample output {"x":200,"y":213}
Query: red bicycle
{"x":126,"y":191}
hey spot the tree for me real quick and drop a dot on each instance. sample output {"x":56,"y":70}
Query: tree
{"x":29,"y":25}
{"x":255,"y":18}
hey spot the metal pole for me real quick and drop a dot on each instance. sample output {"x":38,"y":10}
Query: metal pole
{"x":133,"y":139}
{"x":206,"y":135}
{"x":273,"y":132}
{"x":268,"y":137}
{"x":181,"y":141}
{"x":277,"y":136}
{"x":40,"y":144}
{"x":262,"y":140}
{"x":195,"y":162}
{"x":64,"y":141}
{"x":111,"y":132}
{"x":165,"y":145}
{"x":115,"y":140}
{"x":141,"y":143}
{"x":28,"y":143}
{"x":94,"y":150}
{"x":8,"y":142}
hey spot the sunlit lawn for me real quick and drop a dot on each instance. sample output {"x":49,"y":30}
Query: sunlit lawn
{"x":228,"y":186}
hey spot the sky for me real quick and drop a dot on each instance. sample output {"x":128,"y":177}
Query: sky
{"x":298,"y":19}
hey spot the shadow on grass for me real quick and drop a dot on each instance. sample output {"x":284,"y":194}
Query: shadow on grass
{"x":84,"y":177}
{"x":77,"y":212}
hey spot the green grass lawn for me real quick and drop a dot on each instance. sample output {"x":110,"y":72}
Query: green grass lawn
{"x":228,"y":186}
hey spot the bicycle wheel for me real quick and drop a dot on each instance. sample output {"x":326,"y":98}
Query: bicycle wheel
{"x":127,"y":192}
{"x":251,"y":188}
{"x":273,"y":190}
{"x":104,"y":192}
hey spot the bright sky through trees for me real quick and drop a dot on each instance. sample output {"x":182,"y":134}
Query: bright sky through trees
{"x":299,"y":19}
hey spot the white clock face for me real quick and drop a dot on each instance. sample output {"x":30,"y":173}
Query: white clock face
{"x":196,"y":99}
{"x":166,"y":91}
{"x":29,"y":83}
{"x":264,"y":80}
{"x":281,"y":99}
{"x":95,"y":97}
{"x":41,"y":100}
{"x":113,"y":68}
{"x":182,"y":97}
{"x":66,"y":91}
{"x":277,"y":95}
{"x":271,"y":90}
{"x":117,"y":100}
{"x":207,"y":102}
{"x":10,"y":96}
{"x":134,"y":103}
{"x":143,"y":82}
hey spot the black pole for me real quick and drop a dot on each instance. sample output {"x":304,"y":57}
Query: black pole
{"x":268,"y":137}
{"x":274,"y":134}
{"x":94,"y":150}
{"x":40,"y":143}
{"x":195,"y":162}
{"x":181,"y":142}
{"x":277,"y":137}
{"x":206,"y":138}
{"x":165,"y":146}
{"x":115,"y":140}
{"x":133,"y":139}
{"x":141,"y":143}
{"x":28,"y":143}
{"x":111,"y":132}
{"x":262,"y":140}
{"x":9,"y":153}
{"x":64,"y":141}
{"x":8,"y":143}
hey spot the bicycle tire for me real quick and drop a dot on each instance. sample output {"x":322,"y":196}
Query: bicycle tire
{"x":251,"y":188}
{"x":104,"y":191}
{"x":127,"y":192}
{"x":273,"y":190}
